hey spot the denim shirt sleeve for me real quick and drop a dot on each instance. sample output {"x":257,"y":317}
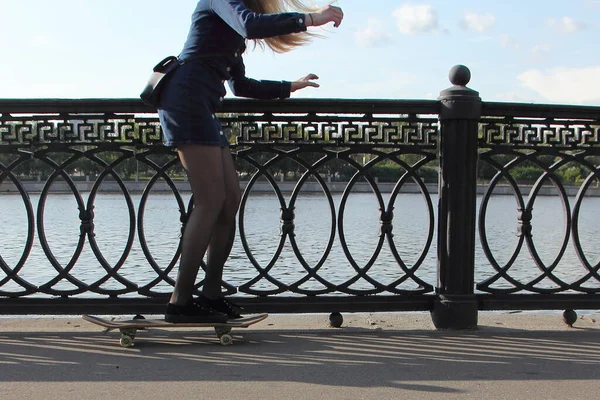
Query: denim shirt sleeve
{"x":251,"y":25}
{"x":243,"y":86}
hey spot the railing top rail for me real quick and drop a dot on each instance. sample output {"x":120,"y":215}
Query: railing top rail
{"x":554,"y":111}
{"x":135,"y":106}
{"x":490,"y":109}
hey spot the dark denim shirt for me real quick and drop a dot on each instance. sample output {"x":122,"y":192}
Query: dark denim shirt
{"x":218,"y":36}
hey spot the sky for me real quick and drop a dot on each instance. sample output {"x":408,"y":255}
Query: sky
{"x":533,"y":51}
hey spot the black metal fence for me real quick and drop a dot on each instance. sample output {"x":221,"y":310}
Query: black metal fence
{"x":51,"y":146}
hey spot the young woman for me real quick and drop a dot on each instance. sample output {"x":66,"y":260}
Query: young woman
{"x":211,"y":56}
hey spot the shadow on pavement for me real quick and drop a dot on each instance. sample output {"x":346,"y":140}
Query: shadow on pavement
{"x":359,"y":358}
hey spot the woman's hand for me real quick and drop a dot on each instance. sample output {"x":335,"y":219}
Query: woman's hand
{"x":325,"y":15}
{"x":305,"y":82}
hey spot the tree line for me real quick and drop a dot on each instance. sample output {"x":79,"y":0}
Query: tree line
{"x":286,"y":168}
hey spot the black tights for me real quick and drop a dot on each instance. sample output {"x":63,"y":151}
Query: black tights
{"x":211,"y":225}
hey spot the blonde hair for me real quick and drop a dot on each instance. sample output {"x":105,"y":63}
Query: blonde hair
{"x":283,"y":43}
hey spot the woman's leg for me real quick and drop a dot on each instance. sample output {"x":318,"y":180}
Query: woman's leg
{"x":224,"y":233}
{"x":204,"y":168}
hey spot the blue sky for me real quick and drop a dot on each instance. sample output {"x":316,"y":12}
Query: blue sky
{"x":541,"y":51}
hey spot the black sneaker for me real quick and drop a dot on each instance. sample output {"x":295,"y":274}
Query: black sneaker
{"x":192,"y":313}
{"x":220,"y":305}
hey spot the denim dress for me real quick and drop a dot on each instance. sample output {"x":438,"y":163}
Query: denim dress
{"x":212,"y":55}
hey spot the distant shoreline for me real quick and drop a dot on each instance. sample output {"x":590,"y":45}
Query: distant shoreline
{"x":7,"y":187}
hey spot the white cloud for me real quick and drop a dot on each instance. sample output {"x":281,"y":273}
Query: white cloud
{"x":540,"y":51}
{"x":508,"y":41}
{"x":39,"y":41}
{"x":413,"y":19}
{"x":388,"y":84}
{"x":512,"y":97}
{"x":565,"y":85}
{"x":373,"y":35}
{"x":565,"y":25}
{"x":477,"y":23}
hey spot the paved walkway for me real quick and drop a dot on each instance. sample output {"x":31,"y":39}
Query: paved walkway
{"x":377,"y":356}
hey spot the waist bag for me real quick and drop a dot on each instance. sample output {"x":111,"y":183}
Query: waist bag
{"x":160,"y":74}
{"x":151,"y":93}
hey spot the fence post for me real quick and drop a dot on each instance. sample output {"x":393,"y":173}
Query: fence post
{"x":460,"y":110}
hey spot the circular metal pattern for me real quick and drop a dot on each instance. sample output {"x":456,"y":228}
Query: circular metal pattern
{"x":61,"y":156}
{"x":12,"y":273}
{"x":59,"y":140}
{"x":547,"y":146}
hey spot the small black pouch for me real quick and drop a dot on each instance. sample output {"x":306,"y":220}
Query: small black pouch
{"x":160,"y":74}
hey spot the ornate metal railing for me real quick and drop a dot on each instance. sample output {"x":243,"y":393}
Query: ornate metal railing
{"x":267,"y":137}
{"x":550,"y":140}
{"x":121,"y":261}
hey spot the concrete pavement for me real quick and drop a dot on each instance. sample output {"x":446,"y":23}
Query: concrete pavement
{"x":374,"y":356}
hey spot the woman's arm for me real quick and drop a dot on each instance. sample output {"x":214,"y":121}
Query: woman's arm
{"x":242,"y":86}
{"x":251,"y":25}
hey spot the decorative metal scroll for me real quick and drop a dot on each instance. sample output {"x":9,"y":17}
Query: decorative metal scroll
{"x":81,"y":129}
{"x":143,"y":130}
{"x":313,"y":143}
{"x":350,"y":130}
{"x":525,"y":133}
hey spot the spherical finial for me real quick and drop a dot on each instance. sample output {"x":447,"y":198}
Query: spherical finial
{"x":460,"y":75}
{"x":336,"y":320}
{"x":570,"y":317}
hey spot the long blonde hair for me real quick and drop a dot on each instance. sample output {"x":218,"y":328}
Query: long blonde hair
{"x":284,"y":43}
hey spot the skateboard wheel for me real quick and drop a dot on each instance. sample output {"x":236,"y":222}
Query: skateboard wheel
{"x":126,"y":341}
{"x":226,"y":340}
{"x":222,"y":331}
{"x":128,"y":332}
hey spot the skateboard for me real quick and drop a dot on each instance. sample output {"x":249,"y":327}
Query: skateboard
{"x":129,"y":328}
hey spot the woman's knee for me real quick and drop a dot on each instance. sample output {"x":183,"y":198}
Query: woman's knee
{"x":213,"y":200}
{"x":232,"y":202}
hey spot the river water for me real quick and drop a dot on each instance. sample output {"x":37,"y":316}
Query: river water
{"x":313,"y":224}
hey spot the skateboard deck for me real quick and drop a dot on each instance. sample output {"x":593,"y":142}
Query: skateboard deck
{"x":129,"y":327}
